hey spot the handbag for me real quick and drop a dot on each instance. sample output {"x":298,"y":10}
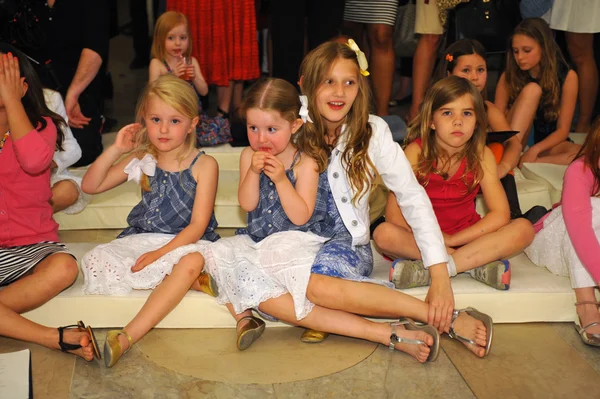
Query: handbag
{"x":405,"y":39}
{"x":491,"y":22}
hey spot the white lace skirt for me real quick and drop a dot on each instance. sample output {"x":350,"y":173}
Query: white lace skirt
{"x":248,"y":273}
{"x":552,"y":247}
{"x":107,"y":268}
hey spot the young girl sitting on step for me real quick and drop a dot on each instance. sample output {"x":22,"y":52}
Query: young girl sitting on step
{"x":446,"y":148}
{"x":170,"y":229}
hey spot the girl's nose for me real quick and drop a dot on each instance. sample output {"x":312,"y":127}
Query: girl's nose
{"x":164,"y":127}
{"x":262,"y":137}
{"x":338,"y":89}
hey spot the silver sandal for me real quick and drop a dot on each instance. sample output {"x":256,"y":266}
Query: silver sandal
{"x":588,"y":339}
{"x":476,"y":314}
{"x":409,"y":324}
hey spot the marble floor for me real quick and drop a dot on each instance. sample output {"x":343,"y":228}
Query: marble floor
{"x":541,"y":360}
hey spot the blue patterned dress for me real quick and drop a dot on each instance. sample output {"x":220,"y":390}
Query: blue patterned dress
{"x":272,"y":256}
{"x":163,"y":212}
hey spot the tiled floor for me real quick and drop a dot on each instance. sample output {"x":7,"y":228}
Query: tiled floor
{"x":545,"y":360}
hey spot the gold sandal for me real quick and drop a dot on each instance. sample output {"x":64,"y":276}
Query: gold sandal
{"x":250,"y":332}
{"x":588,"y":339}
{"x":313,"y":336}
{"x":112,"y":347}
{"x":409,"y":324}
{"x":208,"y":285}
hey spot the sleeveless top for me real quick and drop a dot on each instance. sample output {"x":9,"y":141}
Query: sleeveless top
{"x":167,"y":207}
{"x":269,"y":216}
{"x":542,"y":128}
{"x":453,"y":204}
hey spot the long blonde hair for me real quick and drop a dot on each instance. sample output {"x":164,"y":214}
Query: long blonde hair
{"x":445,"y":91}
{"x":360,"y":169}
{"x":178,"y":95}
{"x":550,"y":62}
{"x":165,"y":23}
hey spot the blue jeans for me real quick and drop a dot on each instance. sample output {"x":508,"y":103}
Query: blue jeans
{"x":535,"y":8}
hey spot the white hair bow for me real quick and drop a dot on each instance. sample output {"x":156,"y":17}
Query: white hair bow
{"x":304,"y":110}
{"x":360,"y":56}
{"x":137,"y":167}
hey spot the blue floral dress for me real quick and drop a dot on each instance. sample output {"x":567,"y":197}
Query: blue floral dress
{"x":163,"y":212}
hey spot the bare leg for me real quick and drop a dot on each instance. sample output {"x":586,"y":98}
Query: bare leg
{"x":48,"y":279}
{"x":423,"y":63}
{"x":587,"y":313}
{"x":500,"y":244}
{"x":236,"y":100}
{"x":342,"y":323}
{"x":581,"y":50}
{"x":382,"y":65}
{"x":522,"y":112}
{"x":64,"y":194}
{"x":164,"y":297}
{"x":561,"y":154}
{"x":224,"y":95}
{"x":396,"y":241}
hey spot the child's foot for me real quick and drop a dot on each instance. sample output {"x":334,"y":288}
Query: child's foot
{"x":473,"y":329}
{"x":75,"y":336}
{"x":207,"y":284}
{"x":496,"y":274}
{"x":249,"y":329}
{"x":409,"y":274}
{"x":418,"y":351}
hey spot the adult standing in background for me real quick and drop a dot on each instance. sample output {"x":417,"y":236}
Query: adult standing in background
{"x":430,"y":31}
{"x":69,"y":40}
{"x":580,"y":20}
{"x":378,"y":18}
{"x":289,"y":24}
{"x":225,"y":44}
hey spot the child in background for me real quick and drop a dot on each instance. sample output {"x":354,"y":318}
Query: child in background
{"x":538,"y":88}
{"x":34,"y":266}
{"x":170,"y":229}
{"x":446,"y":148}
{"x":172,"y":53}
{"x":567,"y":241}
{"x":67,"y":195}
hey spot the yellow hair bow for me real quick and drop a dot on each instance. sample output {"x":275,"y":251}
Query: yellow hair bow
{"x":360,"y":56}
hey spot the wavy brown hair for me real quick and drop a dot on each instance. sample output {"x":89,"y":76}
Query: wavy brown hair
{"x":180,"y":96}
{"x":550,"y":61}
{"x":315,"y":68}
{"x":164,"y":24}
{"x":590,"y":152}
{"x":434,"y":159}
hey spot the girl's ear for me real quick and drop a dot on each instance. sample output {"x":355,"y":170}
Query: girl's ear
{"x":296,"y":125}
{"x":194,"y":123}
{"x":25,"y":86}
{"x":432,"y":125}
{"x":300,"y":81}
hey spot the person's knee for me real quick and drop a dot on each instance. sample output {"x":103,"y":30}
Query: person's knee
{"x":65,"y":192}
{"x":523,"y":231}
{"x":317,"y":289}
{"x":191,"y":264}
{"x":579,"y":48}
{"x":382,"y":235}
{"x":381,"y":37}
{"x":532,"y":91}
{"x":432,"y":41}
{"x":63,"y":269}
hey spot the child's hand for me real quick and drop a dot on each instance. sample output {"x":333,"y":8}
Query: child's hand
{"x":11,"y":82}
{"x":145,"y":260}
{"x":531,"y":155}
{"x":127,"y":138}
{"x":274,"y":169}
{"x":258,"y":161}
{"x":180,"y":68}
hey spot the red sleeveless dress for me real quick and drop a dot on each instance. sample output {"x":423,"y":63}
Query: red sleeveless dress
{"x":453,"y":204}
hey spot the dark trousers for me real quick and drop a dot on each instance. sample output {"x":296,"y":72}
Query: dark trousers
{"x":287,"y":27}
{"x":510,"y":187}
{"x":140,"y":31}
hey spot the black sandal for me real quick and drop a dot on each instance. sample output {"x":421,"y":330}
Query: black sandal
{"x":65,"y":347}
{"x":224,"y":114}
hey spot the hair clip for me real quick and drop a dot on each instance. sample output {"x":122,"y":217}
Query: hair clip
{"x":304,"y":110}
{"x":360,"y":56}
{"x":449,"y":57}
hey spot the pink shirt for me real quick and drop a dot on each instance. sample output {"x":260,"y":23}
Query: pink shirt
{"x":577,"y":213}
{"x":25,"y":211}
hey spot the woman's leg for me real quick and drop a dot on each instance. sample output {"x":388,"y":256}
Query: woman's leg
{"x":224,"y":96}
{"x":588,"y":313}
{"x":522,"y":112}
{"x":500,"y":244}
{"x":581,"y":50}
{"x":382,"y":64}
{"x":342,"y":323}
{"x":164,"y":297}
{"x":423,"y":63}
{"x":64,"y":194}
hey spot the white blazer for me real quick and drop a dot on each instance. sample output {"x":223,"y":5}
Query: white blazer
{"x":398,"y":176}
